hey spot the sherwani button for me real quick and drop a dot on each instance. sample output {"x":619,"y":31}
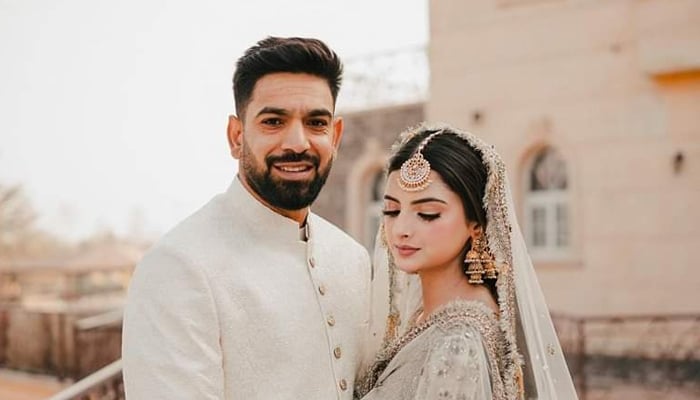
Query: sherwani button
{"x":336,"y":352}
{"x":322,"y":290}
{"x":330,"y":320}
{"x":312,"y":262}
{"x":343,"y":384}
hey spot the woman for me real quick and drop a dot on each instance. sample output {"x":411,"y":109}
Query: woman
{"x":467,"y":319}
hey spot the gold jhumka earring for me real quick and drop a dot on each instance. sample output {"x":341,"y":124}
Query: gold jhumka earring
{"x":480,"y":262}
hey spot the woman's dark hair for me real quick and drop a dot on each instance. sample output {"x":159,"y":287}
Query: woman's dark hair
{"x":274,"y":54}
{"x":460,"y":166}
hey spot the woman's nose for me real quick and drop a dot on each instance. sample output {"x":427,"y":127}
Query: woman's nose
{"x":401,"y":227}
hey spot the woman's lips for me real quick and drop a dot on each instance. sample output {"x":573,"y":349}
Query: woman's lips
{"x":405,"y":251}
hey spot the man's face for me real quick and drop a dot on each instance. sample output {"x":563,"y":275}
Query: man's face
{"x":287,"y":139}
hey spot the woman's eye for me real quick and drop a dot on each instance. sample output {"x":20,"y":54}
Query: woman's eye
{"x":390,"y":213}
{"x":429,"y":217}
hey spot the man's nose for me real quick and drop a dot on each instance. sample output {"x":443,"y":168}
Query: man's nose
{"x":295,"y":138}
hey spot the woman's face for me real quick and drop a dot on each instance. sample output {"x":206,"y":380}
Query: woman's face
{"x":426,"y":230}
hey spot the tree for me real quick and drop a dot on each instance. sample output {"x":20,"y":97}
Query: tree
{"x":17,"y":216}
{"x":19,"y":236}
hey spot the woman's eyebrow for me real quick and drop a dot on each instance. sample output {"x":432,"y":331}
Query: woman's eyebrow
{"x":428,"y":200}
{"x":419,"y":201}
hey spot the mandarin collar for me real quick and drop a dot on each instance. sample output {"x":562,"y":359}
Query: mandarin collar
{"x":259,"y":218}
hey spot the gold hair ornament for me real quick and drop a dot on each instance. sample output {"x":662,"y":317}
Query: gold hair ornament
{"x":415,"y":172}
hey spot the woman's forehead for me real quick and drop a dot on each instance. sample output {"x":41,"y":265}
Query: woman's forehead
{"x":437,"y":188}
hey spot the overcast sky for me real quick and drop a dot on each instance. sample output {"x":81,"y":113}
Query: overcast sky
{"x":115,"y":111}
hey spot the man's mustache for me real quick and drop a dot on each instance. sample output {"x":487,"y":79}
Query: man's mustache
{"x":292,"y":157}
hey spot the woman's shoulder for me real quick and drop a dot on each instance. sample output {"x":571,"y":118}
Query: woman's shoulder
{"x":463,"y":358}
{"x":466,"y":317}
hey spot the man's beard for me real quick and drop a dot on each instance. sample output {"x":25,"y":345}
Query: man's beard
{"x":280,"y":193}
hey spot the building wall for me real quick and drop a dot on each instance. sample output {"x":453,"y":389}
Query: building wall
{"x":363,"y":149}
{"x":615,"y":86}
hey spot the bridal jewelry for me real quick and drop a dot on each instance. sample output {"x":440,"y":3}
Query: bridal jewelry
{"x":415,"y":172}
{"x":527,"y":315}
{"x":489,"y":265}
{"x":382,"y":236}
{"x":393,"y":320}
{"x":480,"y":262}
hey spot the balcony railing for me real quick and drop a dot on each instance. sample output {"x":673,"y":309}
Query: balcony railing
{"x":67,"y":345}
{"x":105,"y":384}
{"x":644,"y":357}
{"x":97,"y":342}
{"x":640,"y":357}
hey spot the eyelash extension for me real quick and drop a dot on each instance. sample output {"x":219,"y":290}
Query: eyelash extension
{"x":429,"y":217}
{"x":426,"y":217}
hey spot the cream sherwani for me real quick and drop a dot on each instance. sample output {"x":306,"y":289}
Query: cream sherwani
{"x":231,"y":304}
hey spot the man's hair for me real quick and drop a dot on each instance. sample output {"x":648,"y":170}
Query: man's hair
{"x":275,"y":54}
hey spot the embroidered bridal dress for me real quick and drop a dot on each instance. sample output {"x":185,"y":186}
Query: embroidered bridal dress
{"x":464,"y":350}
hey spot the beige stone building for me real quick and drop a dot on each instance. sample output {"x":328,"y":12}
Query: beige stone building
{"x":595,"y":107}
{"x":353,"y":194}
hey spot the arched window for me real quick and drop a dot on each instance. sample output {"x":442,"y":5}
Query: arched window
{"x":365,"y":193}
{"x":547,"y":214}
{"x":373,"y":211}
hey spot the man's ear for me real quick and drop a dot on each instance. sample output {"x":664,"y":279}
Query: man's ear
{"x":234,"y":132}
{"x":337,"y":132}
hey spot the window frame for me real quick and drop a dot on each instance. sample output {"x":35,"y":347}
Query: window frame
{"x":551,"y":200}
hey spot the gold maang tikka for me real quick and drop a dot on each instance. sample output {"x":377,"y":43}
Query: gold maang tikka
{"x":415,"y":172}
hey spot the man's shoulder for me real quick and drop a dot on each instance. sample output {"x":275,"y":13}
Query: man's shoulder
{"x":196,"y":230}
{"x":327,"y":232}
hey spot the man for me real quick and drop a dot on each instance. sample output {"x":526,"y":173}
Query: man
{"x":254,"y":296}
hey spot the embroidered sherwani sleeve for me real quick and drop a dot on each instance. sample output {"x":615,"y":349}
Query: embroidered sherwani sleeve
{"x":456,"y":368}
{"x":171,"y":332}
